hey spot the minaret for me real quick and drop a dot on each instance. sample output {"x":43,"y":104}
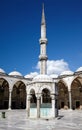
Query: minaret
{"x":43,"y":42}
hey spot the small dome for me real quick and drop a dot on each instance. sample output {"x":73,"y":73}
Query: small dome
{"x":42,"y":78}
{"x":53,"y":75}
{"x":2,"y":71}
{"x":28,"y":76}
{"x":68,"y":72}
{"x":79,"y":69}
{"x":15,"y":73}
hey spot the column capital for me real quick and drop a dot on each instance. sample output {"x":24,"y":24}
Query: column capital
{"x":38,"y":96}
{"x":29,"y":97}
{"x":69,"y":90}
{"x":10,"y":89}
{"x":53,"y":97}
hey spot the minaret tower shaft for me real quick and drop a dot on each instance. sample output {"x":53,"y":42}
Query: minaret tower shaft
{"x":43,"y":42}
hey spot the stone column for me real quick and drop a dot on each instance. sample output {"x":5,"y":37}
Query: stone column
{"x":9,"y":99}
{"x":38,"y":107}
{"x":26,"y":101}
{"x":53,"y":105}
{"x":41,"y":99}
{"x":70,"y":100}
{"x":28,"y":105}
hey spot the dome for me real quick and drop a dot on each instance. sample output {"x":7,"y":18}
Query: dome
{"x":28,"y":76}
{"x":15,"y":73}
{"x":42,"y":78}
{"x":2,"y":71}
{"x":54,"y":76}
{"x":79,"y":69}
{"x":68,"y":72}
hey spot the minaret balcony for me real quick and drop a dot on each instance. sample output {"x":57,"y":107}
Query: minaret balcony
{"x":43,"y":57}
{"x":43,"y":41}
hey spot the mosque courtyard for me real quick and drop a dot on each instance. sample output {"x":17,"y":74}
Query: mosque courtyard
{"x":17,"y":120}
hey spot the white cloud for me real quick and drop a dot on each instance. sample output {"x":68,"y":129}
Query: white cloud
{"x":55,"y":66}
{"x":38,"y":65}
{"x":33,"y":74}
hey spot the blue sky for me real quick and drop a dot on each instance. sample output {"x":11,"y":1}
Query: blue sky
{"x":20,"y":32}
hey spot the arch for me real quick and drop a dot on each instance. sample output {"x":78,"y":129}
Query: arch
{"x":4,"y":93}
{"x":44,"y":87}
{"x":33,"y":100}
{"x":76,"y":77}
{"x":17,"y":80}
{"x":6,"y":79}
{"x":18,"y":96}
{"x":46,"y":97}
{"x":76,"y":93}
{"x":30,"y":88}
{"x":63,"y":95}
{"x":63,"y":81}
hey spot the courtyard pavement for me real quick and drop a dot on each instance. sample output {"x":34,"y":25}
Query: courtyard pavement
{"x":17,"y":120}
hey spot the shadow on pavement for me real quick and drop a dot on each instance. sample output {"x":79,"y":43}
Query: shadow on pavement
{"x":59,"y":117}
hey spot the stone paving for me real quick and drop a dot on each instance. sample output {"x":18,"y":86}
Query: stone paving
{"x":17,"y":120}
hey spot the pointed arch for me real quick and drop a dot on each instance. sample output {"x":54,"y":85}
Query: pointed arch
{"x":19,"y":95}
{"x":63,"y":95}
{"x":45,"y":93}
{"x":45,"y":87}
{"x":31,"y":88}
{"x":4,"y":93}
{"x":33,"y":100}
{"x":46,"y":97}
{"x":76,"y":93}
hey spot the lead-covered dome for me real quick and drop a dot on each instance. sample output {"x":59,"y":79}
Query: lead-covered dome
{"x":28,"y":76}
{"x":68,"y":72}
{"x":79,"y":69}
{"x":53,"y":76}
{"x":15,"y":73}
{"x":42,"y":78}
{"x":2,"y":71}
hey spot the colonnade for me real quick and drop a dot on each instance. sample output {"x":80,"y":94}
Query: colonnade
{"x":39,"y":102}
{"x":71,"y":96}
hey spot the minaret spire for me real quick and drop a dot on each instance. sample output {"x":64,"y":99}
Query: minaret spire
{"x":43,"y":15}
{"x":43,"y":24}
{"x":43,"y":42}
